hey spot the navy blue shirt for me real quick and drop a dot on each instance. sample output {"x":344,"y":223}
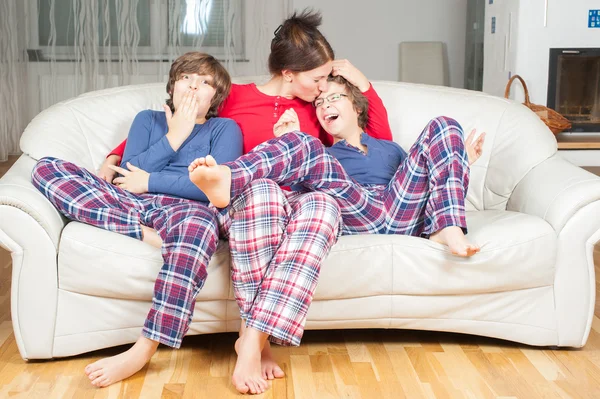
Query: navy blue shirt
{"x":148,"y":148}
{"x":377,"y":166}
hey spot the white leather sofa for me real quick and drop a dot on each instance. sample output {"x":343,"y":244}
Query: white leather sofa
{"x":76,"y":288}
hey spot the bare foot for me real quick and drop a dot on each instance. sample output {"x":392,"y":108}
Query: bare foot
{"x":247,"y":375}
{"x":150,"y":236}
{"x":214,"y":180}
{"x":113,"y":369}
{"x":269,"y":368}
{"x":453,"y":237}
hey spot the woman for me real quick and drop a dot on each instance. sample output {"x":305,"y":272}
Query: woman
{"x":278,"y":239}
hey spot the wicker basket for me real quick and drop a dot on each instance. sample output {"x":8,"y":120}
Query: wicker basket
{"x":555,"y":121}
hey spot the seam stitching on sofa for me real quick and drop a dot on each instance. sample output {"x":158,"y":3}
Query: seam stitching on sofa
{"x":444,"y":251}
{"x":326,"y":299}
{"x":344,"y":320}
{"x":578,"y":205}
{"x":485,"y":185}
{"x":97,"y":247}
{"x":87,"y":141}
{"x":393,"y":288}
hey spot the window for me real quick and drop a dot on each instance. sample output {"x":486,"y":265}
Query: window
{"x":160,"y":27}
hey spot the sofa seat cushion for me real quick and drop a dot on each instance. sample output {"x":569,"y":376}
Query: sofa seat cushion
{"x":97,"y":262}
{"x":518,"y":251}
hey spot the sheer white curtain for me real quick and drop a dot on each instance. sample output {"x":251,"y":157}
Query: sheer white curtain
{"x":76,"y":46}
{"x":13,"y":67}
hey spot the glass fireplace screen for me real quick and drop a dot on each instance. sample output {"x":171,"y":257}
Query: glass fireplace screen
{"x":574,"y":87}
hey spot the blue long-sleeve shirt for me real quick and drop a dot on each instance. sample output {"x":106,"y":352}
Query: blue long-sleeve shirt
{"x":377,"y":166}
{"x":148,"y":148}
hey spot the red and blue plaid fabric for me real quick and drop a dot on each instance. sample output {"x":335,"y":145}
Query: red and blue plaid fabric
{"x":424,"y":196}
{"x":187,"y":228}
{"x":278,"y":241}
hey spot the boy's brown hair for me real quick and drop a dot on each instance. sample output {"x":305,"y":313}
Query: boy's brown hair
{"x":202,"y":64}
{"x":358,"y":100}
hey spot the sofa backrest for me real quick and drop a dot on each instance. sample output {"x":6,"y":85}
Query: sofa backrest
{"x":84,"y":129}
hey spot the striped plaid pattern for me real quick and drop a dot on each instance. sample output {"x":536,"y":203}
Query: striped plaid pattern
{"x":278,"y":241}
{"x":254,"y":224}
{"x":425,"y":195}
{"x":188,"y":229}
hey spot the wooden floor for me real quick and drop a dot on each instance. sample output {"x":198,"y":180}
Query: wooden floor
{"x":329,"y":364}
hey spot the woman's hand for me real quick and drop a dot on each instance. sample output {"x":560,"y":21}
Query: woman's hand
{"x":288,"y":122}
{"x":474,"y":148}
{"x":134,"y":180}
{"x":105,"y":172}
{"x":352,"y":74}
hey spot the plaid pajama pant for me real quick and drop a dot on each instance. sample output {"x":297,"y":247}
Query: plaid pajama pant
{"x":278,"y":241}
{"x":425,"y":195}
{"x":187,"y":228}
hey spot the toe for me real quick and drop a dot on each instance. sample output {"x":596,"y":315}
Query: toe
{"x":96,"y":374}
{"x":96,"y":382}
{"x":103,"y":382}
{"x":263,"y":384}
{"x":259,"y":388}
{"x":90,"y":368}
{"x":278,"y":372}
{"x":241,"y":387}
{"x":252,"y":386}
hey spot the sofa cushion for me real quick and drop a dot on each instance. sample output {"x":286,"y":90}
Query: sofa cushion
{"x":97,"y":262}
{"x":518,"y":251}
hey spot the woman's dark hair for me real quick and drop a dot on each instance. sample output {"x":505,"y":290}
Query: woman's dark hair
{"x":298,"y":45}
{"x":358,"y":100}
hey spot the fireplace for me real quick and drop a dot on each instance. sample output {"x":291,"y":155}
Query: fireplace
{"x":574,"y":86}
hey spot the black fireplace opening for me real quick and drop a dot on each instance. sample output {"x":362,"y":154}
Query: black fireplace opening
{"x":574,"y":86}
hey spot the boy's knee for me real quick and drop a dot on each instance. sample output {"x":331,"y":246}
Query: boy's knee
{"x":323,"y":204}
{"x":43,"y":169}
{"x":44,"y":163}
{"x":446,"y":121}
{"x":313,"y":142}
{"x":263,"y":185}
{"x":259,"y":191}
{"x":201,"y":225}
{"x":306,"y":139}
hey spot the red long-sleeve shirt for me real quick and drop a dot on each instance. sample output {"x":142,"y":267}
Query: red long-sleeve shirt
{"x":256,"y":113}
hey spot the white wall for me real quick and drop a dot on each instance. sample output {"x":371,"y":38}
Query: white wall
{"x":368,"y":33}
{"x":500,"y":48}
{"x":567,"y":23}
{"x":567,"y":27}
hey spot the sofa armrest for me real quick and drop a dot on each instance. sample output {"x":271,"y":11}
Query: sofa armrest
{"x":555,"y":190}
{"x":30,"y":228}
{"x":16,"y":190}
